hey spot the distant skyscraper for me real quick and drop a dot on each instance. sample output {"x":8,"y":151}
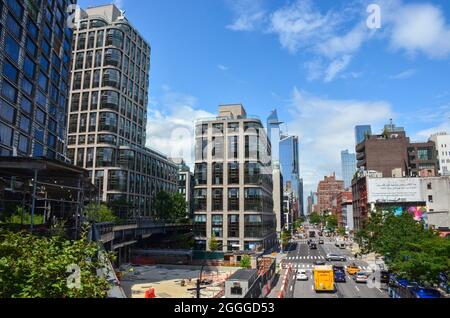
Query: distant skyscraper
{"x":348,"y":164}
{"x":274,"y":134}
{"x":361,"y":132}
{"x":289,"y":163}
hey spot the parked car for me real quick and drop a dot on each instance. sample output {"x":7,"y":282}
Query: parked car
{"x":362,"y":277}
{"x":335,"y":258}
{"x":301,"y":275}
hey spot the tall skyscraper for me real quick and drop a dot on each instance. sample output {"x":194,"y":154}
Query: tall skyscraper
{"x":35,"y":59}
{"x":108,"y":113}
{"x":274,"y":134}
{"x":233,"y":176}
{"x":348,"y":164}
{"x":290,"y":168}
{"x":361,"y":132}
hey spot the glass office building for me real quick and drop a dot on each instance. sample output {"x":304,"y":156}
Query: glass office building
{"x":361,"y":132}
{"x":35,"y":64}
{"x":348,"y":165}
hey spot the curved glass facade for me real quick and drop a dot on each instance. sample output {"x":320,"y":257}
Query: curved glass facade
{"x":109,"y":98}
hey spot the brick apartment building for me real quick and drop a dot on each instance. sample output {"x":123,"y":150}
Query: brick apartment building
{"x":327,"y":189}
{"x":394,"y":155}
{"x":341,"y":203}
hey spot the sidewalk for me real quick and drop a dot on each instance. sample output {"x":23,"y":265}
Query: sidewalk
{"x":283,"y":284}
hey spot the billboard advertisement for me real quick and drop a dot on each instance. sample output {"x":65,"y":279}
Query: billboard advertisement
{"x":394,"y":190}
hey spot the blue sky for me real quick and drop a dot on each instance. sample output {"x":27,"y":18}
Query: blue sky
{"x":317,"y":62}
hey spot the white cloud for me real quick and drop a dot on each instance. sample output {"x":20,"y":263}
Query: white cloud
{"x":222,"y":67}
{"x":170,"y":126}
{"x":248,"y":15}
{"x":299,"y":25}
{"x":420,"y":28}
{"x":326,"y":127}
{"x":404,"y":75}
{"x":336,"y":67}
{"x":336,"y":35}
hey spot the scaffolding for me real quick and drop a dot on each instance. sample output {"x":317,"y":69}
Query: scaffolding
{"x":54,"y":190}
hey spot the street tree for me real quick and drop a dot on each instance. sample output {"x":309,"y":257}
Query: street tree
{"x":410,"y":250}
{"x":246,"y":262}
{"x":331,"y":222}
{"x":99,"y":213}
{"x":37,"y":267}
{"x":315,"y":218}
{"x":213,"y":244}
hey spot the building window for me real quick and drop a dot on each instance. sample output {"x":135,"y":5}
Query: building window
{"x":200,"y":225}
{"x":9,"y":92}
{"x":5,"y":135}
{"x":217,"y":173}
{"x":253,"y":199}
{"x":252,"y":173}
{"x":233,"y":147}
{"x":201,"y":174}
{"x":233,"y":199}
{"x":117,"y":180}
{"x":233,"y":226}
{"x":233,"y":127}
{"x":105,"y":157}
{"x":233,"y":173}
{"x":217,"y":147}
{"x":23,"y":144}
{"x":7,"y":112}
{"x":217,"y":129}
{"x":430,"y":198}
{"x":429,"y":186}
{"x":217,"y":225}
{"x":217,"y":200}
{"x":201,"y":149}
{"x":200,"y":199}
{"x":253,"y":226}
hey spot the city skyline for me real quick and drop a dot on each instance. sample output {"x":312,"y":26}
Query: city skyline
{"x":379,"y":69}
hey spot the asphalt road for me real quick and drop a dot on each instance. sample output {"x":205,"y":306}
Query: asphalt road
{"x":301,"y":256}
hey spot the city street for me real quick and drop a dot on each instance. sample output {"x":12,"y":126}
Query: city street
{"x":302,"y":257}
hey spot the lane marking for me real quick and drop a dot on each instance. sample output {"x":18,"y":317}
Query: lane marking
{"x":357,"y":288}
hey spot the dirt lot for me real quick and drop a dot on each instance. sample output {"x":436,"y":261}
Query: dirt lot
{"x":167,"y":280}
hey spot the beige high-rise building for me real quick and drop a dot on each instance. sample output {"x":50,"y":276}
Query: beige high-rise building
{"x":233,"y":183}
{"x":108,"y":113}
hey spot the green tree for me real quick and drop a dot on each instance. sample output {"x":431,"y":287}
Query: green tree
{"x":163,"y":206}
{"x":341,"y":231}
{"x":315,"y":218}
{"x":99,"y":213}
{"x":37,"y":267}
{"x":213,"y":244}
{"x":410,"y":250}
{"x":285,"y":237}
{"x":170,"y":207}
{"x":331,"y":222}
{"x":179,"y":207}
{"x":246,"y":262}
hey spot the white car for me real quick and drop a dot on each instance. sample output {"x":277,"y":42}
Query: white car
{"x":301,"y":275}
